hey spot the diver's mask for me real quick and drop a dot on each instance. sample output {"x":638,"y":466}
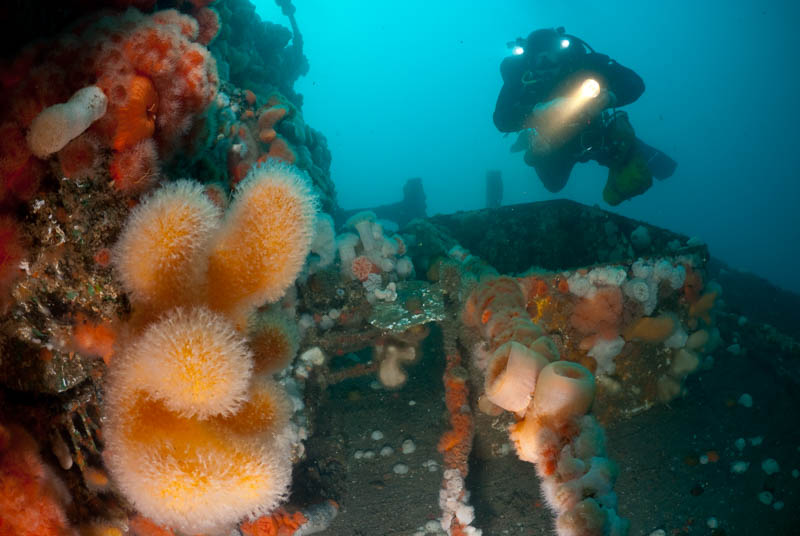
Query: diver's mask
{"x":543,"y":66}
{"x":549,"y":46}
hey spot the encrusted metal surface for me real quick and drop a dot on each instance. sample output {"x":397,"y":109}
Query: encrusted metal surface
{"x":417,"y":303}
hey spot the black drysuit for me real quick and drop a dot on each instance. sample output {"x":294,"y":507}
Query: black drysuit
{"x":517,"y":100}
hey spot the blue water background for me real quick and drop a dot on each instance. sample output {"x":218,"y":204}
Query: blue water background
{"x":407,"y":88}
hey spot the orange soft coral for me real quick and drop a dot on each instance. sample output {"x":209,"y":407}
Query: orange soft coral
{"x":136,"y":168}
{"x":11,"y":253}
{"x":141,"y":526}
{"x":136,"y":117}
{"x":599,"y":313}
{"x":279,"y":523}
{"x":93,"y":338}
{"x":693,"y":284}
{"x":31,"y":498}
{"x":267,"y":121}
{"x":701,"y":308}
{"x":651,"y":329}
{"x":208,"y":20}
{"x":156,"y":78}
{"x":281,"y":150}
{"x":456,"y":443}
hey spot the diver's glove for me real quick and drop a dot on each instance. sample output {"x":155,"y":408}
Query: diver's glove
{"x":593,"y":108}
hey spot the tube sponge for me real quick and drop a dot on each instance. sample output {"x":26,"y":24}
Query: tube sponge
{"x":59,"y":124}
{"x":161,"y":256}
{"x":564,"y":390}
{"x":520,"y":330}
{"x":511,"y":377}
{"x":264,"y":239}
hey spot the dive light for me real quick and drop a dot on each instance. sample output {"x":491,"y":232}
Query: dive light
{"x":590,"y":88}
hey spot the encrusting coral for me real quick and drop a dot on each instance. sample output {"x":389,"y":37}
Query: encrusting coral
{"x":32,"y":499}
{"x":194,"y":438}
{"x":11,"y":253}
{"x":135,"y":83}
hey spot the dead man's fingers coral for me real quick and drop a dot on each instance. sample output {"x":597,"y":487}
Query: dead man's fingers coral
{"x":161,"y":256}
{"x":190,"y":440}
{"x":194,"y":361}
{"x":263,"y":241}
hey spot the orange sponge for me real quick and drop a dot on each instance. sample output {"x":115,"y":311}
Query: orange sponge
{"x":651,"y":329}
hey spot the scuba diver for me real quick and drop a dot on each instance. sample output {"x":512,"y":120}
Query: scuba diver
{"x":561,"y":96}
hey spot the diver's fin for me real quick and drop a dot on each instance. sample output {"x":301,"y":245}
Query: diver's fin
{"x":659,"y":164}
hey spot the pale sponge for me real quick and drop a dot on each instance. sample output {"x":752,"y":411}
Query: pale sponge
{"x":162,"y":254}
{"x":564,"y":390}
{"x":61,"y":123}
{"x":263,"y":241}
{"x":511,"y":376}
{"x":190,"y":439}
